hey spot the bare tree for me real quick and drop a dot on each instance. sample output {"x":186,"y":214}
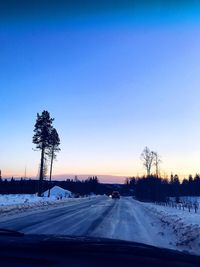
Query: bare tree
{"x":147,"y":158}
{"x":156,"y":162}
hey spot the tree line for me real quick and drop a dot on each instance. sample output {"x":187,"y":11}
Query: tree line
{"x":153,"y":188}
{"x":76,"y":186}
{"x":149,"y":188}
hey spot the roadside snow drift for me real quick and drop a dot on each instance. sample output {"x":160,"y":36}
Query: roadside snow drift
{"x":57,"y":192}
{"x":184,"y":226}
{"x":14,"y":203}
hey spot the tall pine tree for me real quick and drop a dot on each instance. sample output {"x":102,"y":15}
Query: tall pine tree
{"x":42,"y":140}
{"x":53,"y":148}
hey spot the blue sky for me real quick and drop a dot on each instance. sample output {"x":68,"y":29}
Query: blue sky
{"x":115,"y":81}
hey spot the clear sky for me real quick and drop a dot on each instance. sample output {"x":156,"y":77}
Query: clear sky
{"x":115,"y":78}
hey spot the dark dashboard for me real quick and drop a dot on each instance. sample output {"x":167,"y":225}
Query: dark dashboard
{"x":49,"y":250}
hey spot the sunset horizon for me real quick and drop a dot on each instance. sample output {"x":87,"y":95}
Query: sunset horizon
{"x":100,"y":133}
{"x":110,"y":93}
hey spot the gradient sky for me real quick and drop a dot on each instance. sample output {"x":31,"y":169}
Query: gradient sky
{"x":116,"y":79}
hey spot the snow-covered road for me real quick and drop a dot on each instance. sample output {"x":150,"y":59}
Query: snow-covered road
{"x":101,"y":216}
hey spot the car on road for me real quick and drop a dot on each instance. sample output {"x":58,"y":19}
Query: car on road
{"x":115,"y":195}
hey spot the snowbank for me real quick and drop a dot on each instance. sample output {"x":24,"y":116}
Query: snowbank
{"x":184,"y":225}
{"x":187,"y":198}
{"x":7,"y":200}
{"x":57,"y":193}
{"x":12,"y":203}
{"x":15,"y":204}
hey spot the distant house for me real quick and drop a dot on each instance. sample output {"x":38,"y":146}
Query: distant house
{"x":58,"y":192}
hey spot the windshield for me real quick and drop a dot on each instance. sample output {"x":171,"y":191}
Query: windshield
{"x":100,"y":120}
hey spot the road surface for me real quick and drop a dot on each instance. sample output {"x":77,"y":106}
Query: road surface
{"x":101,"y":216}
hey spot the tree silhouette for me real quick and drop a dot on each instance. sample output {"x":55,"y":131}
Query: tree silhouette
{"x":156,"y":162}
{"x":41,"y":138}
{"x":53,"y":148}
{"x":147,"y":158}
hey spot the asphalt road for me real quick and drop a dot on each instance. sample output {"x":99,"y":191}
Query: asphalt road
{"x":124,"y":219}
{"x":78,"y":218}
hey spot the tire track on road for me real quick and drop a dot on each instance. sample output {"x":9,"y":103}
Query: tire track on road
{"x":95,"y":224}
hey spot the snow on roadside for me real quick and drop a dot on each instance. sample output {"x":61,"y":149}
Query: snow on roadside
{"x":186,"y":199}
{"x":12,"y":204}
{"x":55,"y":193}
{"x":11,"y":199}
{"x":184,"y":225}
